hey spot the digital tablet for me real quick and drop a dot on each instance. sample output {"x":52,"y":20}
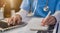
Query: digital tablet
{"x":5,"y":27}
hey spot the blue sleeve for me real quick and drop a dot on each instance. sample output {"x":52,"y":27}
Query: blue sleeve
{"x":58,"y":6}
{"x":25,"y":5}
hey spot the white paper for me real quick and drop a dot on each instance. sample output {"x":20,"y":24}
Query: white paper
{"x":35,"y":24}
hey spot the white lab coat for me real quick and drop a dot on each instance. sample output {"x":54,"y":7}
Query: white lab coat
{"x":57,"y":15}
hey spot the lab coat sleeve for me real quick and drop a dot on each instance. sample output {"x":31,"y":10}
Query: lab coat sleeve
{"x":23,"y":13}
{"x":57,"y":16}
{"x":25,"y":5}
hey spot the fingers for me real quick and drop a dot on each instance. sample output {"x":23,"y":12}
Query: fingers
{"x":43,"y":23}
{"x":18,"y":20}
{"x":50,"y":20}
{"x":9,"y":21}
{"x":14,"y":20}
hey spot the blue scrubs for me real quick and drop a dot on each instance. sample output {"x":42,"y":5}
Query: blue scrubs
{"x":58,"y":6}
{"x":28,"y":4}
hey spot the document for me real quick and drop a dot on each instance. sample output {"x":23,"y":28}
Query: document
{"x":35,"y":24}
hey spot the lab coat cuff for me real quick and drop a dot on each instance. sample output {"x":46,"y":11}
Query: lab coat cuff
{"x":22,"y":13}
{"x":57,"y":16}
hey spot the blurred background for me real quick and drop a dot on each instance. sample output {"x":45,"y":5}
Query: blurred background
{"x":10,"y":5}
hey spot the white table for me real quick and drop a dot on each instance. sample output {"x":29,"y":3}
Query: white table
{"x":22,"y":29}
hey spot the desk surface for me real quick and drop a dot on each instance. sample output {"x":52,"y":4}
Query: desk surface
{"x":22,"y":29}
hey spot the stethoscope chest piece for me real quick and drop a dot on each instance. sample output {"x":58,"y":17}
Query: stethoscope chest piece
{"x":46,"y":8}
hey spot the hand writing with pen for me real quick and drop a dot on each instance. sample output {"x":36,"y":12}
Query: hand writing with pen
{"x":51,"y":20}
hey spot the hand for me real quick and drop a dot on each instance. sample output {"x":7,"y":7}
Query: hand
{"x":49,"y":21}
{"x":14,"y":20}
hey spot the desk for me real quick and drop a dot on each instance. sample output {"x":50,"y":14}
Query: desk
{"x":22,"y":29}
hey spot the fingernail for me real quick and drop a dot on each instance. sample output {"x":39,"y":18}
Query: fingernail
{"x":42,"y":24}
{"x":8,"y":24}
{"x":46,"y":25}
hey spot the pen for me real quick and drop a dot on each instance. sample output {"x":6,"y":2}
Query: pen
{"x":46,"y":17}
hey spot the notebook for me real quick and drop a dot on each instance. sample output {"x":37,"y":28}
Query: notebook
{"x":35,"y":24}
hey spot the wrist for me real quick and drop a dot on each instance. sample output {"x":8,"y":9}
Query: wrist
{"x":19,"y":16}
{"x":55,"y":20}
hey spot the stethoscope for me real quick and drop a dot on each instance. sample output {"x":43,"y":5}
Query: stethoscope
{"x":46,"y":8}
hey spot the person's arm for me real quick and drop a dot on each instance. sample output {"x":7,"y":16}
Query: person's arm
{"x":25,"y":7}
{"x":57,"y":16}
{"x":23,"y":13}
{"x":16,"y":19}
